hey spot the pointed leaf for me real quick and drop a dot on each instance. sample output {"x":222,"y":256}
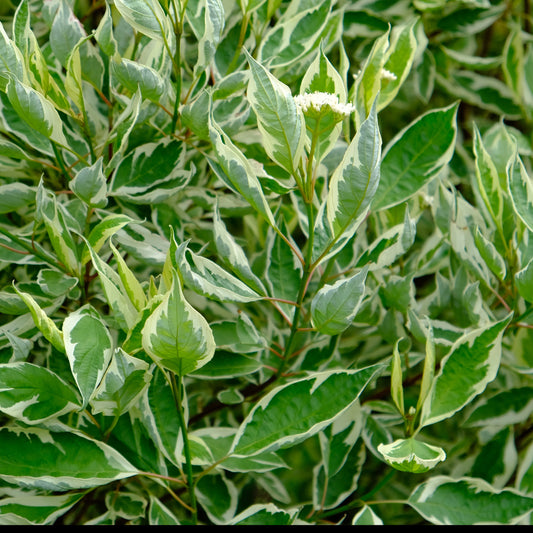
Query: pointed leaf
{"x":411,"y":455}
{"x":334,"y":306}
{"x":469,"y":367}
{"x":468,"y":501}
{"x":89,"y":348}
{"x":145,"y":16}
{"x":293,"y":412}
{"x":279,"y":121}
{"x":32,"y":393}
{"x":416,"y":155}
{"x":351,"y":190}
{"x":67,"y":461}
{"x":177,"y":336}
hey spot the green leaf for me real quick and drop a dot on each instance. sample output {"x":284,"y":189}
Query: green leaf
{"x":366,"y":517}
{"x":43,"y":322}
{"x":416,"y":155}
{"x":351,"y":190}
{"x":411,"y":455}
{"x":468,"y":501}
{"x":471,"y":364}
{"x":59,"y":233}
{"x":177,"y":336}
{"x":151,"y":173}
{"x":67,"y":460}
{"x":506,"y":408}
{"x":145,"y":16}
{"x":291,"y":413}
{"x":264,"y":515}
{"x":135,"y":76}
{"x":232,"y":167}
{"x":396,"y":379}
{"x":90,"y":185}
{"x":296,"y":33}
{"x":32,"y":393}
{"x":36,"y":111}
{"x":233,"y":254}
{"x":207,"y":278}
{"x":32,"y":507}
{"x":124,"y":381}
{"x":279,"y":121}
{"x":521,"y":190}
{"x":334,"y":307}
{"x":207,"y":22}
{"x":89,"y":348}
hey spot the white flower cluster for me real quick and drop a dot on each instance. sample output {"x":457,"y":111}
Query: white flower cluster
{"x":387,"y":74}
{"x":384,"y":74}
{"x":317,"y":101}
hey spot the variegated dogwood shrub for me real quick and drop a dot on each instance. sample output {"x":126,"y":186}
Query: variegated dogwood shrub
{"x":266,"y":262}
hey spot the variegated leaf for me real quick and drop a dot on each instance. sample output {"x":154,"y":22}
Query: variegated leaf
{"x":293,"y":412}
{"x":89,"y":348}
{"x":468,"y":501}
{"x":175,"y":335}
{"x":232,"y":167}
{"x":334,"y":307}
{"x":351,"y":190}
{"x":60,"y":235}
{"x":32,"y":507}
{"x":36,"y":111}
{"x":33,"y":394}
{"x":520,"y":187}
{"x":124,"y":311}
{"x":471,"y":364}
{"x":416,"y":155}
{"x":296,"y":33}
{"x":206,"y":18}
{"x":321,"y":76}
{"x":125,"y":380}
{"x":135,"y":76}
{"x":90,"y":186}
{"x":145,"y":16}
{"x":411,"y":455}
{"x":96,"y":463}
{"x":281,"y":124}
{"x":235,"y":257}
{"x":207,"y":278}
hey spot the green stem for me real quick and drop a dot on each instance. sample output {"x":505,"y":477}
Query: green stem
{"x":177,"y":391}
{"x":34,"y":251}
{"x":242,"y":36}
{"x":60,"y":161}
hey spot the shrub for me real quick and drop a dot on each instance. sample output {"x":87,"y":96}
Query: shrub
{"x":266,"y":262}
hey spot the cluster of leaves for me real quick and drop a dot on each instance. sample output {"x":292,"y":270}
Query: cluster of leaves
{"x":221,"y":304}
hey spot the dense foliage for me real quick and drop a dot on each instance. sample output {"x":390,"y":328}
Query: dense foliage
{"x":266,"y":262}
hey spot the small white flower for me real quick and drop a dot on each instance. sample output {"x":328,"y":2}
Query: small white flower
{"x":387,"y":74}
{"x":315,"y":102}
